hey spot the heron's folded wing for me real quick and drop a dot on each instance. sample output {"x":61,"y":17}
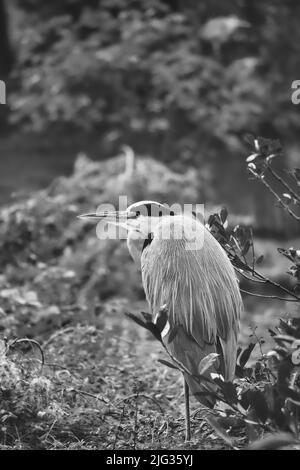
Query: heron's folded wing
{"x":200,"y":290}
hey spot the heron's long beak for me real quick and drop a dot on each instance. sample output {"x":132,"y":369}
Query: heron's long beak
{"x":122,"y":219}
{"x":113,"y":216}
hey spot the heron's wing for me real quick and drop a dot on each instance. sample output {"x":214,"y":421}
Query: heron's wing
{"x":202,"y":295}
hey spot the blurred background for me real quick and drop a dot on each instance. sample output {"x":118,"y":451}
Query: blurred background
{"x":180,"y":84}
{"x":180,"y":81}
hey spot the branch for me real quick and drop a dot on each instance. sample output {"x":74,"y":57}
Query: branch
{"x":268,"y":296}
{"x":284,"y":183}
{"x":278,"y":199}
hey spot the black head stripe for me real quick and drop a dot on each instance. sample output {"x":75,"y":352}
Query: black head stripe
{"x":147,"y":241}
{"x":148,"y":209}
{"x":155,"y":211}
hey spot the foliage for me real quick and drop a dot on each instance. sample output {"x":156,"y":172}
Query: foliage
{"x":182,"y":81}
{"x":177,"y":76}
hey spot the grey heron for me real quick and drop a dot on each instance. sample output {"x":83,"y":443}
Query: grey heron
{"x":196,"y":282}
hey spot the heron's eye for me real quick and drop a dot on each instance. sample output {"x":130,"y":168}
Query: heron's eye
{"x":172,"y":213}
{"x":137,"y":213}
{"x":160,"y":214}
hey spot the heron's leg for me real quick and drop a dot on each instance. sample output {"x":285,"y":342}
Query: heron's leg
{"x":187,"y":411}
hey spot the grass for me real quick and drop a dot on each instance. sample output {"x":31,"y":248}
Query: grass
{"x":96,"y":390}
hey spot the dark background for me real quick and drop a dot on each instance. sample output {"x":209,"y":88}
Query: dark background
{"x":181,"y":81}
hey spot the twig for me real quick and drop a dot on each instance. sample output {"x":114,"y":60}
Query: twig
{"x":119,"y":427}
{"x":278,"y":199}
{"x":267,"y":296}
{"x":279,"y":286}
{"x":91,"y":395}
{"x":144,"y":396}
{"x":135,"y":429}
{"x":284,"y":183}
{"x":264,"y":279}
{"x":56,"y":334}
{"x":30,"y":341}
{"x":252,"y":247}
{"x":240,"y":271}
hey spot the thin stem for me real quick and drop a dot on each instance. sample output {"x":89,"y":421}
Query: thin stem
{"x":252,"y":248}
{"x":278,"y":199}
{"x":284,"y":183}
{"x":135,"y":429}
{"x":187,"y":411}
{"x":279,"y":286}
{"x":143,"y":395}
{"x":267,"y":296}
{"x":262,"y":279}
{"x":248,"y":277}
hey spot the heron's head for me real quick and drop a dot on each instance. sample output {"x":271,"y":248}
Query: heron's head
{"x":139,"y":219}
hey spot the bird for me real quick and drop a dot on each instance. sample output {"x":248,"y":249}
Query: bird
{"x":185,"y":269}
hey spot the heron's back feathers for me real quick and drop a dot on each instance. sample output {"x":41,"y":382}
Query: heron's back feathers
{"x":200,"y":289}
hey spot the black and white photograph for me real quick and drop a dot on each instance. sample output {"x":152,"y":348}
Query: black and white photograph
{"x":149,"y":228}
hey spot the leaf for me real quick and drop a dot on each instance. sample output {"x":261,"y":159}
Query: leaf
{"x":207,"y":362}
{"x":252,"y":157}
{"x":239,"y":371}
{"x":287,"y":198}
{"x":220,"y":431}
{"x":246,"y":247}
{"x":161,"y":318}
{"x":229,"y":392}
{"x":249,"y":138}
{"x":273,"y":442}
{"x":244,"y":357}
{"x":223,"y":215}
{"x":154,"y":330}
{"x":296,"y":174}
{"x":290,"y":393}
{"x":136,"y":320}
{"x":257,"y":401}
{"x":173,"y":333}
{"x":228,"y":389}
{"x":252,"y":427}
{"x":147,"y":317}
{"x":168,"y":364}
{"x":285,"y":369}
{"x":296,"y":357}
{"x":148,"y":325}
{"x":286,"y":253}
{"x":284,"y":340}
{"x":260,"y":259}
